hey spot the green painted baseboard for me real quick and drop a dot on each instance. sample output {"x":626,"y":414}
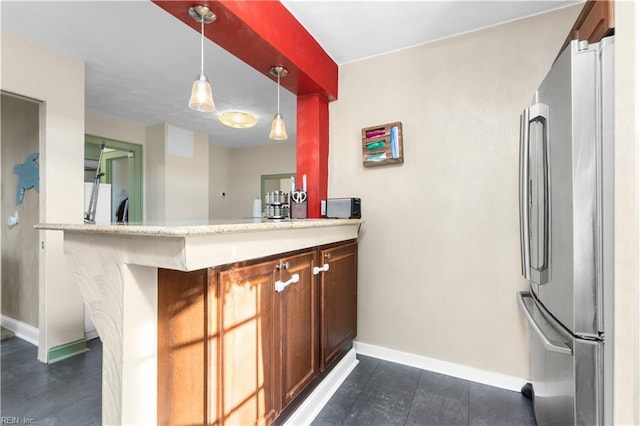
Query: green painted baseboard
{"x":67,"y":350}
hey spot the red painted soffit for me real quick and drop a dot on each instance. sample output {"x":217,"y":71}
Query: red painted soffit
{"x":264,"y":34}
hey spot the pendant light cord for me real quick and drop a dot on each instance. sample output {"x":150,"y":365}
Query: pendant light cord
{"x":202,"y":45}
{"x":278,"y":93}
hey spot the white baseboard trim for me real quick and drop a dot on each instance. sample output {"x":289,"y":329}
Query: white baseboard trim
{"x":443,"y":367}
{"x":90,"y":335}
{"x":24,"y":331}
{"x":314,"y":403}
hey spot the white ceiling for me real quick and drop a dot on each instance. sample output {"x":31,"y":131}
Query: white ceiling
{"x":141,"y":61}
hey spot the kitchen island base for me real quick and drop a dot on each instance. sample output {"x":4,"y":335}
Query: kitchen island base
{"x":117,"y":270}
{"x":245,"y":343}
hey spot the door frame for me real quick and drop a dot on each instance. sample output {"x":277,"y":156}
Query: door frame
{"x":92,"y":149}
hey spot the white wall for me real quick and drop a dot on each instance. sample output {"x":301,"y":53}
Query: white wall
{"x":439,"y":262}
{"x":154,"y":171}
{"x":176,"y":187}
{"x":187,"y":183}
{"x":113,"y":128}
{"x":219,"y":182}
{"x":236,"y":172}
{"x":248,"y":164}
{"x":627,"y":211}
{"x":60,"y":84}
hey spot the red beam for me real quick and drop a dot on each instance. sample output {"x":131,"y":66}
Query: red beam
{"x":263,"y":34}
{"x":312,"y":153}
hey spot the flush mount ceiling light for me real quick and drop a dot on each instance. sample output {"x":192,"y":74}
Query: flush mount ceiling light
{"x":237,"y":119}
{"x":278,"y":127}
{"x":201,"y":94}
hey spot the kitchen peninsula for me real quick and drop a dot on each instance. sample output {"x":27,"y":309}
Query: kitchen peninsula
{"x":216,"y":323}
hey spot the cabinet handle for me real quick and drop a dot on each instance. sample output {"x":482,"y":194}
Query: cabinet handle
{"x":283,"y":266}
{"x":318,"y":269}
{"x":280,"y":285}
{"x":327,"y":256}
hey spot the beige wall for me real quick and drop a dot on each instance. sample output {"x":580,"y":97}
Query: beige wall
{"x":219,"y":182}
{"x":60,"y":85}
{"x":248,"y":164}
{"x":627,"y":328}
{"x":236,"y":172}
{"x":153,"y":191}
{"x":187,"y":183}
{"x":20,"y":138}
{"x":114,"y":129}
{"x":439,"y":254}
{"x":176,"y":188}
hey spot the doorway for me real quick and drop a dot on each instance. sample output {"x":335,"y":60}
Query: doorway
{"x":19,"y":240}
{"x":122,"y":167}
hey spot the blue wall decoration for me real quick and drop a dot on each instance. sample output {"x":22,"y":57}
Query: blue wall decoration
{"x":28,"y":176}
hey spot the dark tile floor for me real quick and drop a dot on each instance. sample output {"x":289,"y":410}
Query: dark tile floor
{"x":384,"y":393}
{"x":66,"y":393}
{"x":376,"y":393}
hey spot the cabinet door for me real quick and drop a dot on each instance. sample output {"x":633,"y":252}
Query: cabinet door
{"x":298,"y":325}
{"x":185,"y":300}
{"x":248,"y":345}
{"x":338,"y":299}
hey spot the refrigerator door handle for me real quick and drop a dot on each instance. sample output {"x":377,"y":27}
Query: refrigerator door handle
{"x":536,"y":113}
{"x":548,"y":345}
{"x":524,"y":194}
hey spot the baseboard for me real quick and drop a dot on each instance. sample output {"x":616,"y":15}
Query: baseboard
{"x":314,"y":403}
{"x":443,"y":367}
{"x":90,"y":335}
{"x":23,"y":331}
{"x":67,"y":350}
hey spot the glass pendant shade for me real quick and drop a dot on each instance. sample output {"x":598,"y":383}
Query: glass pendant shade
{"x":201,"y":95}
{"x":278,"y":128}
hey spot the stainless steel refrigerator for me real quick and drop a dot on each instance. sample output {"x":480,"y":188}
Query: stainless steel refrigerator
{"x":566,"y":233}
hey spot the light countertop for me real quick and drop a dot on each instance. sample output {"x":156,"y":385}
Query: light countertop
{"x":183,"y":229}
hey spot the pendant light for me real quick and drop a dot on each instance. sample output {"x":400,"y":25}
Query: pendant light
{"x":278,"y":128}
{"x":201,"y":94}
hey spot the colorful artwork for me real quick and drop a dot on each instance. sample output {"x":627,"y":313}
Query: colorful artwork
{"x":28,"y":176}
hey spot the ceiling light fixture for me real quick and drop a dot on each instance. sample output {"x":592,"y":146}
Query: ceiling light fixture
{"x":237,"y":119}
{"x":278,"y":127}
{"x":201,"y":94}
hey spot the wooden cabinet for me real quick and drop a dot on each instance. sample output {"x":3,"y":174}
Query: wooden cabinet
{"x":237,"y":344}
{"x":298,"y":325}
{"x":268,"y":335}
{"x":596,"y":21}
{"x":338,"y":300}
{"x":248,"y":344}
{"x":187,"y":347}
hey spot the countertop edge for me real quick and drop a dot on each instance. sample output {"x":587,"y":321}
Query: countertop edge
{"x":195,"y":230}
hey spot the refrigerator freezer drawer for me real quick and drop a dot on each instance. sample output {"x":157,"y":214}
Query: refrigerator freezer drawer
{"x":566,"y":372}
